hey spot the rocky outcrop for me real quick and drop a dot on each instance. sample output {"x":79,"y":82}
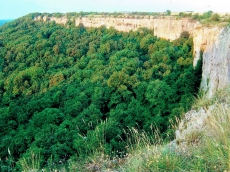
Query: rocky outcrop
{"x":189,"y":131}
{"x":209,"y":118}
{"x":214,"y":42}
{"x":203,"y":38}
{"x":192,"y":124}
{"x":168,"y":28}
{"x":216,"y":61}
{"x":60,"y":20}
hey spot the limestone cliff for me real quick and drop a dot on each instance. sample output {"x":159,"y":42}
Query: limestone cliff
{"x":214,"y":42}
{"x":216,"y":61}
{"x":168,"y":28}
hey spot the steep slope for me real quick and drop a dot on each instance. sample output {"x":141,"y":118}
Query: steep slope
{"x":212,"y":41}
{"x":202,"y":141}
{"x":168,"y":28}
{"x":65,"y":91}
{"x":216,"y":57}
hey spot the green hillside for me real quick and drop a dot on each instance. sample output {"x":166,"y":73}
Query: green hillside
{"x":67,"y":90}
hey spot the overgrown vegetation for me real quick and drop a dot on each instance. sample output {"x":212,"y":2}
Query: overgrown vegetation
{"x":68,"y":93}
{"x":102,"y":14}
{"x":211,"y":153}
{"x":208,"y":18}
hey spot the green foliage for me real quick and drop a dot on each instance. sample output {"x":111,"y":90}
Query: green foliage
{"x":168,"y":12}
{"x":207,"y":14}
{"x":186,"y":14}
{"x":184,"y":34}
{"x":215,"y":17}
{"x":59,"y":84}
{"x":202,"y":150}
{"x":31,"y":163}
{"x":208,"y":17}
{"x":146,"y":41}
{"x":195,"y":16}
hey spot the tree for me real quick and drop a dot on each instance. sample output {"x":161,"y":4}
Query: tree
{"x":184,"y":34}
{"x":146,"y":41}
{"x":215,"y":17}
{"x":207,"y":14}
{"x":160,"y":95}
{"x":168,"y":12}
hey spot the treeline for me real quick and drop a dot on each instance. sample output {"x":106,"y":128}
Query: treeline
{"x":57,"y":85}
{"x":208,"y":17}
{"x":103,"y":14}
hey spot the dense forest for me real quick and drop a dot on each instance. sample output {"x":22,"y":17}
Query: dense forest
{"x":61,"y":84}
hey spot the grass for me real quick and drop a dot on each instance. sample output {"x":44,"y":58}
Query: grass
{"x":211,"y":153}
{"x":31,"y":163}
{"x":149,"y":153}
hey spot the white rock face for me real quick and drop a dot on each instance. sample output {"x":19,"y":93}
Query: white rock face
{"x":193,"y":122}
{"x":203,"y":39}
{"x":216,"y":62}
{"x":168,"y":28}
{"x":213,"y":41}
{"x":61,"y":20}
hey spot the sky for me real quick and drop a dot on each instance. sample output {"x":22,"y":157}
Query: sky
{"x":12,"y":9}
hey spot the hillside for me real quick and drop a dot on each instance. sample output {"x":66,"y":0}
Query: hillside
{"x":209,"y":31}
{"x":203,"y":143}
{"x":67,"y":91}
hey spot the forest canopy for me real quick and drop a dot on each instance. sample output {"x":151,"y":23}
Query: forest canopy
{"x":59,"y":83}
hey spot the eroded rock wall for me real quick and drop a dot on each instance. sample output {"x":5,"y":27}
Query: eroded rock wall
{"x":216,"y":61}
{"x":60,"y":20}
{"x":168,"y":28}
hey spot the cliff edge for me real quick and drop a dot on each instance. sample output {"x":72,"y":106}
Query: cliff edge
{"x":213,"y":42}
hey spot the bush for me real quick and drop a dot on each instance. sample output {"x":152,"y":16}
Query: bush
{"x":215,"y":17}
{"x":184,"y":34}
